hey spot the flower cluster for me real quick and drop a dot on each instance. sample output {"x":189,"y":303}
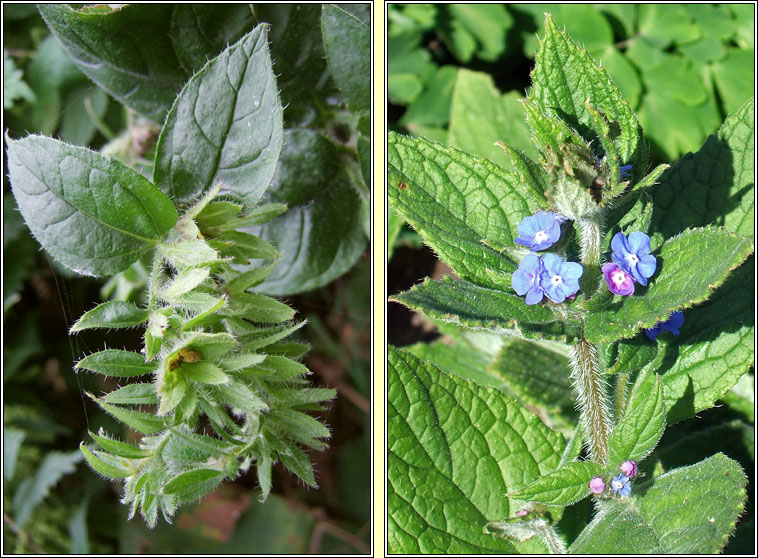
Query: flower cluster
{"x":547,"y":276}
{"x":632,"y":262}
{"x":620,"y":484}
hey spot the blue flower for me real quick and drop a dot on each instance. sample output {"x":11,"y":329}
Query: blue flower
{"x":624,"y":171}
{"x":621,"y":484}
{"x":525,"y":280}
{"x":675,"y":321}
{"x":559,"y":279}
{"x":539,"y":231}
{"x":619,"y":281}
{"x":633,"y":255}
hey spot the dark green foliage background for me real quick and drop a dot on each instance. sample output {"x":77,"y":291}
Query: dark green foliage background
{"x":68,"y":509}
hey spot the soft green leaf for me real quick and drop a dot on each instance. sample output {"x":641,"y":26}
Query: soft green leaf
{"x":260,"y":308}
{"x":660,"y":24}
{"x":239,"y":395}
{"x":171,"y":397}
{"x":77,"y":529}
{"x":203,"y":372}
{"x":633,"y":354}
{"x":691,"y":266}
{"x":297,"y":461}
{"x":472,"y":306}
{"x":91,"y":213}
{"x":347,"y":43}
{"x":256,"y":337}
{"x":463,"y":447}
{"x":120,"y":449}
{"x":127,"y":51}
{"x":225,"y":126}
{"x":637,"y":432}
{"x":714,"y":185}
{"x":561,"y":487}
{"x":34,"y":489}
{"x":133,"y":394}
{"x":315,"y":247}
{"x":200,"y":31}
{"x":244,"y":360}
{"x":184,"y":282}
{"x":103,"y":467}
{"x":117,"y":363}
{"x":565,"y":78}
{"x":433,"y":106}
{"x":481,"y":116}
{"x":142,"y":422}
{"x":691,"y":510}
{"x":459,"y":357}
{"x":217,"y":214}
{"x":111,"y":314}
{"x":247,"y":279}
{"x":454,"y":201}
{"x":258,"y":216}
{"x":14,"y":86}
{"x":193,"y":485}
{"x":12,"y":439}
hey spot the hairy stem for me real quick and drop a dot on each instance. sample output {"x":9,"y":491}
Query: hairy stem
{"x":592,"y":399}
{"x":619,"y":398}
{"x":552,"y":540}
{"x":153,"y":282}
{"x":589,"y":241}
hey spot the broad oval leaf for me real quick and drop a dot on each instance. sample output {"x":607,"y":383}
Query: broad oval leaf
{"x":561,"y":487}
{"x":225,"y":126}
{"x":111,"y":314}
{"x":691,"y":266}
{"x":657,"y":522}
{"x":93,"y":214}
{"x":116,"y":363}
{"x":347,"y":42}
{"x":464,"y":447}
{"x":127,"y":51}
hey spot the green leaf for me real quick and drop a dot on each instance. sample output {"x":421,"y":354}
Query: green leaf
{"x":691,"y":266}
{"x":238,"y":395}
{"x":433,"y":106}
{"x":12,"y":439}
{"x":454,"y":201}
{"x":714,"y":185}
{"x":472,"y":306}
{"x":459,"y":357}
{"x":203,"y":372}
{"x":225,"y":126}
{"x":34,"y":489}
{"x":103,"y":467}
{"x":133,"y":394}
{"x":111,"y":314}
{"x":184,"y":282}
{"x":172,"y":396}
{"x":255,"y":338}
{"x":297,"y":461}
{"x":91,"y":213}
{"x":640,"y":428}
{"x":481,"y":116}
{"x":633,"y":354}
{"x":193,"y":485}
{"x":561,"y":487}
{"x":260,"y":308}
{"x":126,"y":51}
{"x":77,"y":529}
{"x":120,"y":449}
{"x":482,"y":25}
{"x":117,"y":363}
{"x":463,"y":447}
{"x":14,"y":86}
{"x":244,"y":360}
{"x":715,"y":348}
{"x":315,"y":247}
{"x":142,"y":422}
{"x":658,"y":522}
{"x":200,"y":31}
{"x":662,"y":24}
{"x":565,"y":77}
{"x":347,"y":43}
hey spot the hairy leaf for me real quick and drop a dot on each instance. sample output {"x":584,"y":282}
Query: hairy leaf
{"x":561,"y":487}
{"x":111,"y":314}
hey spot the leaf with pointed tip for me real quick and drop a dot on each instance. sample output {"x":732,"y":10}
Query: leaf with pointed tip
{"x":469,"y":305}
{"x":104,"y":467}
{"x":116,"y":363}
{"x":462,"y":446}
{"x":133,"y":394}
{"x":561,"y":487}
{"x":111,"y":314}
{"x":657,"y":522}
{"x":690,"y":266}
{"x":203,"y":372}
{"x":225,"y":126}
{"x":347,"y":43}
{"x":193,"y":485}
{"x":641,"y":426}
{"x":142,"y":422}
{"x":455,"y":200}
{"x":120,"y":449}
{"x":93,"y":214}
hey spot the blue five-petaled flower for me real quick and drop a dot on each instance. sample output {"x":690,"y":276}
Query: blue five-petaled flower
{"x":526,"y":279}
{"x":633,"y":255}
{"x":539,"y":231}
{"x":620,"y":485}
{"x":559,"y":279}
{"x":675,"y":321}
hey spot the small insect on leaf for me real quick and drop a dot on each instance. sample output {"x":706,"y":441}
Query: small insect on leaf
{"x":402,"y":185}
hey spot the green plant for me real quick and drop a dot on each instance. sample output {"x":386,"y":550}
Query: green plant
{"x":210,"y":347}
{"x":484,"y":447}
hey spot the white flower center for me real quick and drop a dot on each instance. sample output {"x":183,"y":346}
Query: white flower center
{"x":618,"y":485}
{"x":557,"y":280}
{"x":632,"y":258}
{"x":618,"y":277}
{"x":540,"y":236}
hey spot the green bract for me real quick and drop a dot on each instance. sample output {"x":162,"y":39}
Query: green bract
{"x":458,"y":420}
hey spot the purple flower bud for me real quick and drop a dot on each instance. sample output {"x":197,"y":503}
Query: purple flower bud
{"x":597,"y":485}
{"x":619,"y":281}
{"x":629,"y":468}
{"x":521,"y":513}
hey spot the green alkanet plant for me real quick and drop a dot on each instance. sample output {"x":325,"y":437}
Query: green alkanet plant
{"x":218,"y":386}
{"x":472,"y":469}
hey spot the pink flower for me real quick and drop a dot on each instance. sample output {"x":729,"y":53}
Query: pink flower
{"x":629,"y":468}
{"x":597,"y":485}
{"x":619,"y":281}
